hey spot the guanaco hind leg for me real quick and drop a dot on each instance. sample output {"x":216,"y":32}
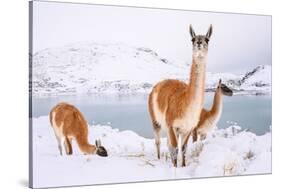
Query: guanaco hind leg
{"x":56,"y":131}
{"x":59,"y":145}
{"x":157,"y":129}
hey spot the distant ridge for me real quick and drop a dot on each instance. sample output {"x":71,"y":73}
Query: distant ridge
{"x":89,"y":67}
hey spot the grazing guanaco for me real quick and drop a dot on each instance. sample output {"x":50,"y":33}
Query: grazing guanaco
{"x":69,"y":123}
{"x":176,"y":105}
{"x":209,"y":118}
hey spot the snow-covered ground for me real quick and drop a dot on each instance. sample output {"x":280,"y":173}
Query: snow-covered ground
{"x":133,"y":158}
{"x":91,"y":67}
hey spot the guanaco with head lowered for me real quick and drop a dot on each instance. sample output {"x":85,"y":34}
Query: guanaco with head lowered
{"x":176,"y":105}
{"x":209,"y":118}
{"x":69,"y":123}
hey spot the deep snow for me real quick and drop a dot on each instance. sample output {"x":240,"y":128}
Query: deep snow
{"x":133,"y":158}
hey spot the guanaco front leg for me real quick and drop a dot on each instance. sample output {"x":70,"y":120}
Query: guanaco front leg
{"x":185,"y":138}
{"x":68,"y":146}
{"x":194,"y":135}
{"x":203,"y":136}
{"x":173,"y":145}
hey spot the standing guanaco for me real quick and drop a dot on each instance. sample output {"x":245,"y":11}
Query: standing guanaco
{"x":176,"y":105}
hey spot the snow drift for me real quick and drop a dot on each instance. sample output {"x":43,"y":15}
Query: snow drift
{"x":132,"y":158}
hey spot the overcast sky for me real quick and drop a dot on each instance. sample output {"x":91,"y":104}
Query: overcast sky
{"x":239,"y":42}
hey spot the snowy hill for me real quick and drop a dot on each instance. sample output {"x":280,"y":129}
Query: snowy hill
{"x":91,"y":67}
{"x":258,"y":78}
{"x":109,"y":68}
{"x":256,"y":81}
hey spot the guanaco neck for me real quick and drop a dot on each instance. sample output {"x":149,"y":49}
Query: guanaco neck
{"x":86,"y":147}
{"x":197,"y":80}
{"x":217,"y":106}
{"x":83,"y":143}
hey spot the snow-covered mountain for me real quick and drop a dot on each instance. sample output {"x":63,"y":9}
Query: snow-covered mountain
{"x":258,"y":78}
{"x":109,"y":68}
{"x":256,"y":81}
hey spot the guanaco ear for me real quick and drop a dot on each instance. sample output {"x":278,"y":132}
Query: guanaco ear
{"x":98,"y":143}
{"x":191,"y":31}
{"x":210,"y":31}
{"x":219,"y":85}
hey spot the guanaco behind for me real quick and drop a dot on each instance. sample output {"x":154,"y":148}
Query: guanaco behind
{"x":69,"y":123}
{"x":209,"y":118}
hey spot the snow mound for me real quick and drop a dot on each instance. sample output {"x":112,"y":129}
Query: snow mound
{"x":132,"y":158}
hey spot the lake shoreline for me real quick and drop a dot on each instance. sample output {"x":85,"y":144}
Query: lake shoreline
{"x":211,"y":90}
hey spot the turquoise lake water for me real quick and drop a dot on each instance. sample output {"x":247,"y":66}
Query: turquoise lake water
{"x":129,"y":112}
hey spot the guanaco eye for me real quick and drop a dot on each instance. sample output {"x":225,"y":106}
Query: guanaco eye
{"x":207,"y":40}
{"x":193,"y":40}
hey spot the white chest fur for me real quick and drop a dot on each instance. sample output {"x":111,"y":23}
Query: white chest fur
{"x":190,"y":119}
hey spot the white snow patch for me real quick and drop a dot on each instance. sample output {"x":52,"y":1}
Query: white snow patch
{"x":133,"y":158}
